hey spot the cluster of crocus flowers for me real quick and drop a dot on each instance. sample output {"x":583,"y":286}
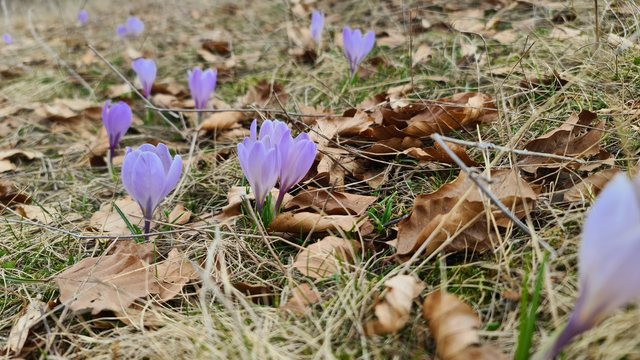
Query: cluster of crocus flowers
{"x":117,"y":119}
{"x":202,"y":84}
{"x":272,"y":154}
{"x":149,"y":174}
{"x":83,"y":17}
{"x":146,"y":71}
{"x":609,"y":275}
{"x":133,"y":27}
{"x":356,"y":46}
{"x":317,"y":24}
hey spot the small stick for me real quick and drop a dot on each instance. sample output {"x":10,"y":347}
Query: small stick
{"x":55,"y":56}
{"x":475,"y":178}
{"x":490,"y":146}
{"x":244,"y":110}
{"x":113,"y":68}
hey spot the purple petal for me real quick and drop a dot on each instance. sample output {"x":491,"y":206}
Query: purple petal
{"x":317,"y":24}
{"x":163,"y":154}
{"x":126,"y":173}
{"x":148,"y":182}
{"x":6,"y":37}
{"x":173,"y":175}
{"x":134,"y":26}
{"x":83,"y":17}
{"x":369,"y":41}
{"x":121,"y":31}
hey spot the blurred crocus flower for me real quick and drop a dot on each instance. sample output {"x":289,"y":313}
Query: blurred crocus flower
{"x":83,"y":17}
{"x":131,"y":28}
{"x":259,"y":160}
{"x":146,"y":71}
{"x":202,"y":84}
{"x":317,"y":24}
{"x":117,"y":120}
{"x":135,"y":26}
{"x":7,"y":38}
{"x":609,"y":274}
{"x":296,"y":157}
{"x":121,"y":31}
{"x":149,"y":174}
{"x":356,"y":46}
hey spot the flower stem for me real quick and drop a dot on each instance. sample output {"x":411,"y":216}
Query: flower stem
{"x":281,"y":195}
{"x":198,"y":119}
{"x":147,"y":228}
{"x":110,"y":162}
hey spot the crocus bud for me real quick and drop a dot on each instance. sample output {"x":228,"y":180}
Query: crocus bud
{"x":7,"y":38}
{"x":259,"y":160}
{"x":149,"y":174}
{"x":202,"y":84}
{"x":317,"y":24}
{"x":83,"y":17}
{"x":608,"y":270}
{"x":134,"y":26}
{"x":356,"y":47}
{"x":146,"y":71}
{"x":117,"y":120}
{"x":296,"y":157}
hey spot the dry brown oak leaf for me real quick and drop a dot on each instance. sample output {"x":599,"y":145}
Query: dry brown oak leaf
{"x":454,"y":326}
{"x":437,"y":216}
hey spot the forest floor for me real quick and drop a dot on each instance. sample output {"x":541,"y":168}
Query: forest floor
{"x":556,"y":77}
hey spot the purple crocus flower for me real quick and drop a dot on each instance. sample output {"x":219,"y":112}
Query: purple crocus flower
{"x":83,"y":17}
{"x":121,"y":31}
{"x":259,"y":159}
{"x":356,"y":47}
{"x":292,"y":159}
{"x":609,"y":274}
{"x":134,"y":26}
{"x":202,"y":84}
{"x":317,"y":24}
{"x":149,"y":174}
{"x":296,"y":156}
{"x":117,"y":119}
{"x":6,"y":37}
{"x":146,"y":71}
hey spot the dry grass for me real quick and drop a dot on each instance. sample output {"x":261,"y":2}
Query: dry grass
{"x":215,"y":320}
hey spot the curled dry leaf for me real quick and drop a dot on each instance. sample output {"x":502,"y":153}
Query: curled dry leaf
{"x":302,"y":296}
{"x":393,"y":311}
{"x":439,"y":210}
{"x":578,"y":137}
{"x":590,"y":186}
{"x":453,"y":113}
{"x":454,"y":326}
{"x":10,"y":195}
{"x":308,"y":222}
{"x":111,"y":282}
{"x":45,"y":215}
{"x":222,"y":121}
{"x":326,"y":257}
{"x":20,"y":331}
{"x":331,"y":202}
{"x":109,"y":221}
{"x":437,"y":153}
{"x":266,"y":95}
{"x":173,"y":274}
{"x":180,"y":215}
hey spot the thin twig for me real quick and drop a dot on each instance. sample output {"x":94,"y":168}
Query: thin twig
{"x":243,"y":110}
{"x":477,"y":180}
{"x":124,"y":78}
{"x":55,"y":56}
{"x":490,"y":146}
